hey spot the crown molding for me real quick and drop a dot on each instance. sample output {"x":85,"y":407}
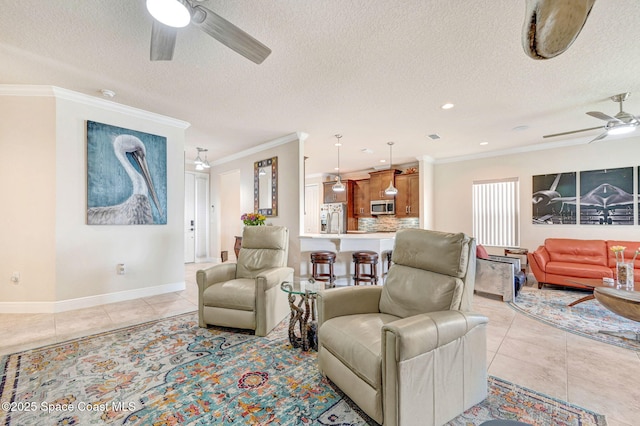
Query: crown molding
{"x":510,"y":151}
{"x":292,"y":137}
{"x":81,"y":98}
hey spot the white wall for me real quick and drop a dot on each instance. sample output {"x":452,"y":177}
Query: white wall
{"x":63,"y":262}
{"x":453,"y":183}
{"x":28,"y":197}
{"x":289,"y":150}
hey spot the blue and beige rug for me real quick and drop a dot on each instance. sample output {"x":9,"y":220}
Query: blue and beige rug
{"x":171,"y":372}
{"x":585,"y":319}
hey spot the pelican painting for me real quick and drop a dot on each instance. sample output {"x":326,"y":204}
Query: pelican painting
{"x":122,"y":186}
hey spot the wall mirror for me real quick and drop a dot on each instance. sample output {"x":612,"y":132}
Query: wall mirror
{"x":265,"y":186}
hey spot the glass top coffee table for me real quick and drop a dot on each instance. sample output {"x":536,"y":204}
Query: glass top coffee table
{"x":593,"y":283}
{"x":303,"y":312}
{"x":624,"y":302}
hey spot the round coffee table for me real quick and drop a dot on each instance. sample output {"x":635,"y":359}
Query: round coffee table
{"x":622,"y":302}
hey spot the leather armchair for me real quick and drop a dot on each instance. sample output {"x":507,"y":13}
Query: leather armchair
{"x":247,"y":294}
{"x":409,"y":352}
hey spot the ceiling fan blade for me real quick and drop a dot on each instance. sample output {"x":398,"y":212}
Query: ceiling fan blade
{"x":228,"y":34}
{"x":601,"y":116}
{"x":571,"y":132}
{"x":163,"y":41}
{"x":600,"y":136}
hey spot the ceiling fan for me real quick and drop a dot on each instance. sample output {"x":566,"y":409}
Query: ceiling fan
{"x":169,"y":15}
{"x":621,"y":123}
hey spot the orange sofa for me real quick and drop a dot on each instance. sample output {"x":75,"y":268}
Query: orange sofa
{"x":561,"y":260}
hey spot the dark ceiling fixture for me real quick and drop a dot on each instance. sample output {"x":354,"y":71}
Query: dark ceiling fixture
{"x":551,"y":26}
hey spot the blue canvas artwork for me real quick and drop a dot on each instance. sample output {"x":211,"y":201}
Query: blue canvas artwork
{"x":126,"y":176}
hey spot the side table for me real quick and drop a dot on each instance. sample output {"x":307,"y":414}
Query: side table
{"x":305,"y":307}
{"x":517,"y":251}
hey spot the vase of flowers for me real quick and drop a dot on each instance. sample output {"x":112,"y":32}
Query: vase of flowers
{"x":253,"y":219}
{"x":624,"y":270}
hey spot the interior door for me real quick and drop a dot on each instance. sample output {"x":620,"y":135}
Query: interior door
{"x":189,"y":218}
{"x":312,"y":209}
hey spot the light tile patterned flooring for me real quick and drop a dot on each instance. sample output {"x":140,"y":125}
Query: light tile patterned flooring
{"x":601,"y":377}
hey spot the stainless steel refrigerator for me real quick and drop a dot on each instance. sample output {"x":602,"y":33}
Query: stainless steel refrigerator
{"x":333,"y":218}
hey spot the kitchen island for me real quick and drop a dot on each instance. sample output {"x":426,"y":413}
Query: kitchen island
{"x":344,"y":245}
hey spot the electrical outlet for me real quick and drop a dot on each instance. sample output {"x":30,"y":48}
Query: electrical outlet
{"x":15,"y":277}
{"x":120,"y":269}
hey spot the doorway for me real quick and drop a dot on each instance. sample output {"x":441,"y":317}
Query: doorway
{"x":196,"y":217}
{"x":312,"y":209}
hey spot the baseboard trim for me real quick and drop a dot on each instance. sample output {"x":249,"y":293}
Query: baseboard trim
{"x":87,"y":302}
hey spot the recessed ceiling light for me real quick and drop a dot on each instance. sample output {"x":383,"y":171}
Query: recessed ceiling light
{"x":484,"y":143}
{"x":520,"y":128}
{"x":434,"y":136}
{"x":337,"y":144}
{"x":367,"y":150}
{"x":448,"y":105}
{"x":383,"y":161}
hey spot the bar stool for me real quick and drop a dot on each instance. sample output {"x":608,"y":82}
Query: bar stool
{"x":323,"y":258}
{"x":363,"y":258}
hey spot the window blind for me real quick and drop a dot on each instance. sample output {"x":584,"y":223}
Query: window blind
{"x":495,"y":212}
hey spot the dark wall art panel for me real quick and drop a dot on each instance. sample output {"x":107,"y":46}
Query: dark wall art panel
{"x":554,"y":199}
{"x":606,"y":197}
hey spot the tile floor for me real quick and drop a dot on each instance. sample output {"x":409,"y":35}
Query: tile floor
{"x":591,"y":374}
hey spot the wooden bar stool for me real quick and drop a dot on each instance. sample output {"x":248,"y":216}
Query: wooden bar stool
{"x":363,"y":258}
{"x":323,"y":258}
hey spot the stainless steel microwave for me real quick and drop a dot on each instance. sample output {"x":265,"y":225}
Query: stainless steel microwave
{"x":383,"y":207}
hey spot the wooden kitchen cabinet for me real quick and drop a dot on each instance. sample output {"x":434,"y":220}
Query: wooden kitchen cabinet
{"x":361,"y":199}
{"x":378,"y":182}
{"x":408,"y":198}
{"x":337,"y":197}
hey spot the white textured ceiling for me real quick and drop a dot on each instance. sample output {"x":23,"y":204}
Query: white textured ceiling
{"x":372,"y":70}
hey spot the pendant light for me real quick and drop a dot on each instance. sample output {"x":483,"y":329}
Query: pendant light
{"x":338,"y":186}
{"x":391,"y":190}
{"x":201,"y":165}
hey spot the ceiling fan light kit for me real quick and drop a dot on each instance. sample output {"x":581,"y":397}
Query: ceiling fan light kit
{"x":169,"y":12}
{"x":164,"y":30}
{"x":621,"y":123}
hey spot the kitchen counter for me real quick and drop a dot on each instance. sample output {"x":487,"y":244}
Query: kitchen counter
{"x":354,"y":235}
{"x":344,"y":245}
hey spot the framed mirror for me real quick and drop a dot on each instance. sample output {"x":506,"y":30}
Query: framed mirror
{"x":265,"y":186}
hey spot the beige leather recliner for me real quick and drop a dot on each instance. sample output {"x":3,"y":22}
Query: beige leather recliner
{"x":409,"y":352}
{"x":247,"y":294}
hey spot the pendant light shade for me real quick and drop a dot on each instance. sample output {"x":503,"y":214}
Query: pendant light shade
{"x":338,"y":186}
{"x":391,"y":190}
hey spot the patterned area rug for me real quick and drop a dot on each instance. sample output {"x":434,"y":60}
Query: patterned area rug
{"x":585,"y":319}
{"x":173,"y":372}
